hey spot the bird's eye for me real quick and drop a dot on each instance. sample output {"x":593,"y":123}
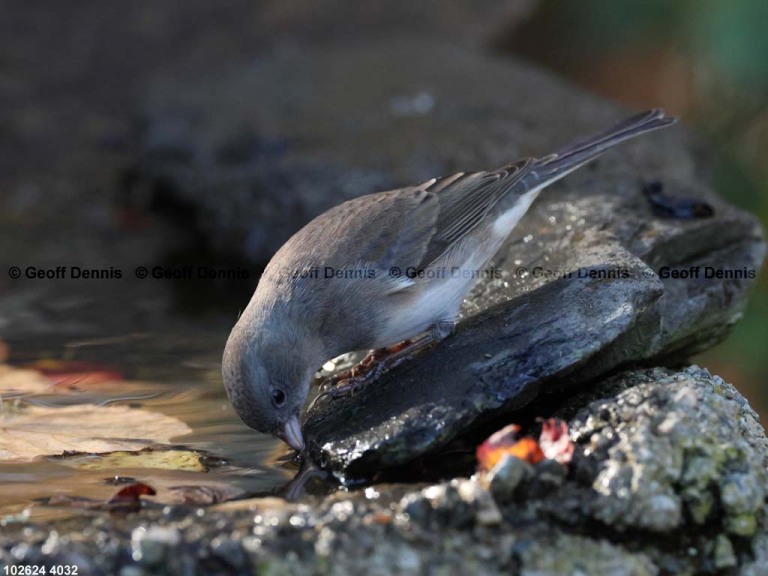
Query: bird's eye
{"x":278,"y":397}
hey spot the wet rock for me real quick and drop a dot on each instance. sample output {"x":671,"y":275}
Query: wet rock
{"x":593,"y":279}
{"x":550,"y":473}
{"x":497,"y":361}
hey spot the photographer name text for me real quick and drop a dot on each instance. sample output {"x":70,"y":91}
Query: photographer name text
{"x":320,"y":273}
{"x":186,"y":272}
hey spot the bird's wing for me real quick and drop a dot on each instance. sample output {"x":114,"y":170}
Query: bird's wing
{"x":423,"y":222}
{"x":406,"y":228}
{"x":379,"y":231}
{"x":464,"y":200}
{"x":402,"y":224}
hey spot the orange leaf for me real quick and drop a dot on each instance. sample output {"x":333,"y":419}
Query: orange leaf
{"x":504,"y":442}
{"x":526,"y":449}
{"x":490,"y":452}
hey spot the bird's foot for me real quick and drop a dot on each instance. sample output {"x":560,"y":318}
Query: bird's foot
{"x":379,"y":361}
{"x":375,"y":363}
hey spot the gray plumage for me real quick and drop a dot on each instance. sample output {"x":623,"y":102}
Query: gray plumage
{"x":299,"y":318}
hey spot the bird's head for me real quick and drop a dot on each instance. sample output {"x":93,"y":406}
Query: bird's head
{"x":267,"y":385}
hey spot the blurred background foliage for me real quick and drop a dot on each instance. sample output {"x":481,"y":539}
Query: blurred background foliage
{"x":705,"y":60}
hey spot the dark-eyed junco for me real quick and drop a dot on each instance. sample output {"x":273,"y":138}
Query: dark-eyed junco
{"x":380,"y":269}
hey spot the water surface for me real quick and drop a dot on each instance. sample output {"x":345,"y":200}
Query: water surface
{"x":181,"y":372}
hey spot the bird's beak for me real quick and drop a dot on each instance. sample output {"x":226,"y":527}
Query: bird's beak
{"x":290,"y":433}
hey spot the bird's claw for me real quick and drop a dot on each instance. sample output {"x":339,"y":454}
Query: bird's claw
{"x":341,"y":388}
{"x":370,"y":368}
{"x":354,"y":379}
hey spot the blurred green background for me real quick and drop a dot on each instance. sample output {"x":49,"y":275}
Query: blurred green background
{"x":704,"y":60}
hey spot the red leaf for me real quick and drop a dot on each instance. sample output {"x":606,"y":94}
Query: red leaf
{"x":553,"y":444}
{"x":131,"y":493}
{"x":126,"y":500}
{"x":554,"y":440}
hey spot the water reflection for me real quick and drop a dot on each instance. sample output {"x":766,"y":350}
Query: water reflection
{"x":175,"y":375}
{"x":297,"y":487}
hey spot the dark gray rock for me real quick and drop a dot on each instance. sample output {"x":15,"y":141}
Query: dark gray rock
{"x":261,"y":149}
{"x":582,"y":287}
{"x":496,"y":362}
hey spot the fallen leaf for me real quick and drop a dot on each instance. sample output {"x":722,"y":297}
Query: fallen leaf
{"x":131,"y":493}
{"x":147,"y":458}
{"x":553,"y":444}
{"x":75,"y":375}
{"x":67,"y":501}
{"x":554,"y":440}
{"x":526,"y":449}
{"x":63,"y":496}
{"x":42,"y":378}
{"x":14,"y":381}
{"x":505,"y":442}
{"x":34,"y":431}
{"x":490,"y":452}
{"x":127,"y":499}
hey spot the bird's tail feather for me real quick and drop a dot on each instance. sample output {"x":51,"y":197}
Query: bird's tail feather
{"x":568,"y":159}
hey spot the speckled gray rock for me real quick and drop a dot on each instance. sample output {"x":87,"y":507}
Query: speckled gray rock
{"x":675,"y":448}
{"x":578,"y":555}
{"x":636,"y":438}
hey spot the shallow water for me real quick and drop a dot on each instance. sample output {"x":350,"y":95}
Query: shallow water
{"x":182,"y":376}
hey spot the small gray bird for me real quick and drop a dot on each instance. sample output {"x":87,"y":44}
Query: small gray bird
{"x":367,"y":274}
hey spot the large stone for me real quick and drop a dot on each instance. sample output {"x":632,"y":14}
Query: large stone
{"x":258,"y":150}
{"x":674,"y":448}
{"x":585,"y":285}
